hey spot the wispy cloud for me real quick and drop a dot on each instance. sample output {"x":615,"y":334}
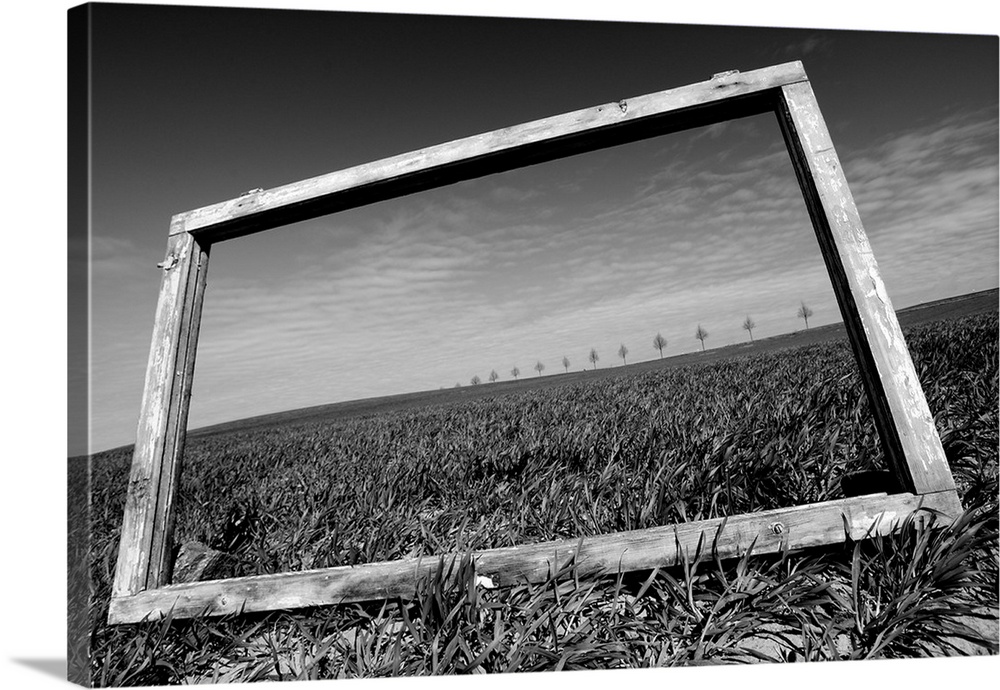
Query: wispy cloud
{"x":550,"y":261}
{"x":439,"y":288}
{"x":929,"y":202}
{"x":811,"y":44}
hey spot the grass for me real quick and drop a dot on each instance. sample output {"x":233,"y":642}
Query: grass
{"x":655,"y":447}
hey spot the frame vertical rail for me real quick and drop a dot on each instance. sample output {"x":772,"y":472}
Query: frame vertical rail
{"x":902,"y":417}
{"x":144,"y":558}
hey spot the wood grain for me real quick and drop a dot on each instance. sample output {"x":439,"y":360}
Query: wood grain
{"x":724,"y":97}
{"x":766,"y":532}
{"x":904,"y":421}
{"x":147,"y":526}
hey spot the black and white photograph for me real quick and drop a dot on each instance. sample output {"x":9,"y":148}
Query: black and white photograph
{"x":414,"y":343}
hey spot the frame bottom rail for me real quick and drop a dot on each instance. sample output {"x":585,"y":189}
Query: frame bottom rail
{"x":765,"y":532}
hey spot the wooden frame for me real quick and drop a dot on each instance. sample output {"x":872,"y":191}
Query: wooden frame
{"x":905,"y":425}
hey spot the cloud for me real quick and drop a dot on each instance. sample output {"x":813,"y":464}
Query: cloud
{"x":449,"y":285}
{"x":511,"y":194}
{"x":928,"y":199}
{"x":813,"y":43}
{"x":550,"y":261}
{"x":112,"y":258}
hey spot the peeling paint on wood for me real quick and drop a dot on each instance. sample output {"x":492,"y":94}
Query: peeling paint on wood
{"x":906,"y":427}
{"x":144,"y":548}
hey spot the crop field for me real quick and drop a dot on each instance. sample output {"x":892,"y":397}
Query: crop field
{"x":655,"y":446}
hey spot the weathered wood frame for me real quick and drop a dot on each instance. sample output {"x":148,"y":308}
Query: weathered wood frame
{"x":905,"y":425}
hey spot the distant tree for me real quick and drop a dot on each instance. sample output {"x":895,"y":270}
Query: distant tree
{"x":622,"y":351}
{"x":593,"y":357}
{"x":748,"y":326}
{"x":539,"y":367}
{"x":659,"y":342}
{"x":494,"y":376}
{"x":457,"y":384}
{"x":515,"y":372}
{"x":566,"y":364}
{"x":804,"y":313}
{"x":476,"y":380}
{"x":701,"y":334}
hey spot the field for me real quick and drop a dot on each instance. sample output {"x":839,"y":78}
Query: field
{"x":952,"y":308}
{"x":749,"y":429}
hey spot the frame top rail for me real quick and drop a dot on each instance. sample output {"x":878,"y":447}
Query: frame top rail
{"x":725,"y":96}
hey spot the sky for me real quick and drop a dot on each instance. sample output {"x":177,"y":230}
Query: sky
{"x":195,"y":105}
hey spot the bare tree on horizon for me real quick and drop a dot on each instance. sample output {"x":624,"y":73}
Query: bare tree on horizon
{"x":515,"y":372}
{"x":701,"y":334}
{"x":494,"y":376}
{"x":804,"y":313}
{"x":593,"y":357}
{"x":748,"y":326}
{"x":566,"y":364}
{"x":476,"y":380}
{"x":622,"y":351}
{"x":659,"y":342}
{"x":539,"y":367}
